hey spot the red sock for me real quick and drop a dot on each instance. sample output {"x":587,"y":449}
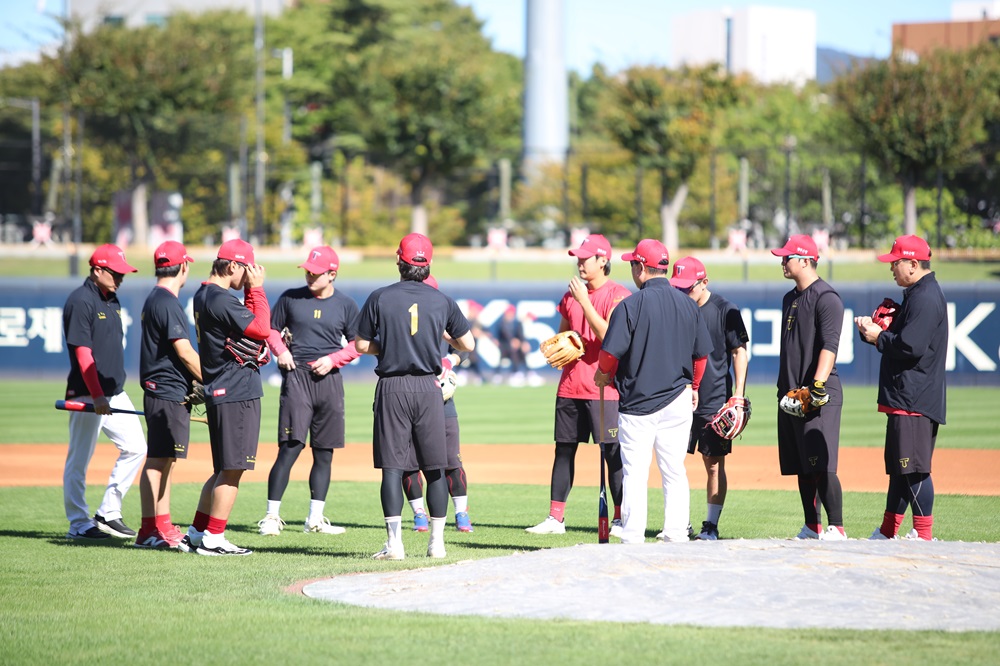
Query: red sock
{"x":148,"y":524}
{"x":890,"y":524}
{"x":618,"y":512}
{"x":200,"y":521}
{"x":924,"y":526}
{"x":163,"y":523}
{"x":557,"y":510}
{"x":216,"y":525}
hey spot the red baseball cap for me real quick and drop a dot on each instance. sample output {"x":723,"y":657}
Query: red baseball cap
{"x":432,"y":281}
{"x":237,"y":250}
{"x":687,"y":271}
{"x":170,"y":253}
{"x":649,"y":252}
{"x":800,"y":246}
{"x":907,"y":247}
{"x":111,"y":257}
{"x":594,"y":244}
{"x":321,"y":259}
{"x":416,"y":249}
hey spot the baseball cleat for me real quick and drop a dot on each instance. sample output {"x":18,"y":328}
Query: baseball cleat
{"x":462,"y":521}
{"x":709,"y":532}
{"x":421,"y":523}
{"x":548,"y":526}
{"x":807,"y":533}
{"x":151,"y":540}
{"x":219,"y":545}
{"x":323,"y":526}
{"x":189,"y":542}
{"x":616,"y":528}
{"x":115,"y":527}
{"x":92,"y":533}
{"x":834,"y":533}
{"x":270,"y":525}
{"x":390,"y":552}
{"x":913,"y":536}
{"x":878,"y":536}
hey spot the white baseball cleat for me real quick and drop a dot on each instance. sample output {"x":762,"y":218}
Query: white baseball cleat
{"x":270,"y":525}
{"x":616,"y":528}
{"x":913,"y":536}
{"x":548,"y":526}
{"x":390,"y":551}
{"x":834,"y":533}
{"x":323,"y":526}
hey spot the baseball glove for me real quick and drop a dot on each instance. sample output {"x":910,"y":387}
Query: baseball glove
{"x":449,"y":382}
{"x":805,"y":399}
{"x":562,"y":348}
{"x":248,"y":352}
{"x":286,"y":337}
{"x":731,"y":418}
{"x":197,"y":394}
{"x":884,"y":313}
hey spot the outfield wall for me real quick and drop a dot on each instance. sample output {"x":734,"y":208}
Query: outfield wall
{"x":32,"y":345}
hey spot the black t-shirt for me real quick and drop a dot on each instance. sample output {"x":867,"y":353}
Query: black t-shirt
{"x":318,"y":325}
{"x":219,"y":315}
{"x":91,"y":319}
{"x":725,"y":325}
{"x":161,"y":372}
{"x":811,"y":321}
{"x":409,"y":318}
{"x":655,"y":334}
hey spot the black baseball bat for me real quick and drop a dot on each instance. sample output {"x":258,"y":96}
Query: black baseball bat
{"x":77,"y":406}
{"x":603,"y":531}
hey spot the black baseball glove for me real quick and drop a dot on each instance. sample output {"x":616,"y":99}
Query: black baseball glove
{"x":248,"y":352}
{"x":197,"y":394}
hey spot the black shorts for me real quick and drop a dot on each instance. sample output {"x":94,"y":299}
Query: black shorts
{"x":809,"y":445}
{"x":909,"y":444}
{"x":451,"y":438}
{"x":409,"y":431}
{"x":234,"y":430}
{"x":168,"y":427}
{"x":314,"y":406}
{"x":579,"y":420}
{"x":706,"y":441}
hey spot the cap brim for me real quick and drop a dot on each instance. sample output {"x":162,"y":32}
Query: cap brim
{"x":313,"y":268}
{"x":888,"y":258}
{"x":629,"y":256}
{"x":581,"y":254}
{"x":780,"y":252}
{"x":123,"y":268}
{"x":682,"y":282}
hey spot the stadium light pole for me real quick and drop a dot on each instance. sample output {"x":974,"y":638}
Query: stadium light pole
{"x":790,"y":143}
{"x":258,"y":190}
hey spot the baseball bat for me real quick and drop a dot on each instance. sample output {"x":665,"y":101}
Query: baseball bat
{"x":77,"y":406}
{"x":603,"y":532}
{"x":199,"y":419}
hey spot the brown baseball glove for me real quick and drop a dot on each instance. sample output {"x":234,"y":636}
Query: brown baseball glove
{"x":731,"y":418}
{"x":562,"y":348}
{"x":805,"y":399}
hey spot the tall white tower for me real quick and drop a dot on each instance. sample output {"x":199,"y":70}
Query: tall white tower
{"x":546,"y":87}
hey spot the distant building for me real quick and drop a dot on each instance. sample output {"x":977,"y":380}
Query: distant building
{"x":137,"y":13}
{"x":971,"y":24}
{"x":775,"y":45}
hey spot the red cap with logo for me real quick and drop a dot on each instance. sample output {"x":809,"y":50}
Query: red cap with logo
{"x":416,"y":250}
{"x":111,"y":257}
{"x":593,"y":245}
{"x":237,"y":250}
{"x":687,"y":272}
{"x":321,"y":259}
{"x":800,"y":246}
{"x":649,"y":252}
{"x":907,"y":247}
{"x":170,"y":253}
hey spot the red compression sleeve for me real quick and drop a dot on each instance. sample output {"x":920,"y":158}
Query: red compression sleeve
{"x":607,"y":363}
{"x":255,"y":301}
{"x":85,"y":358}
{"x":699,"y":371}
{"x":344,"y":356}
{"x":276,"y":344}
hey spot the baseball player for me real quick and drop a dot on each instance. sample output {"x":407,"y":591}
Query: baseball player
{"x":513,"y":347}
{"x":809,"y":426}
{"x":403,"y":325}
{"x":168,"y":367}
{"x":92,"y":324}
{"x":657,"y":384}
{"x":729,"y":353}
{"x":913,"y":340}
{"x":586,"y":308}
{"x":458,"y":483}
{"x":232,"y":340}
{"x":317,"y":319}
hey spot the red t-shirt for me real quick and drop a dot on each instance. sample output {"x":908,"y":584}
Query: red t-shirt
{"x":577,"y":380}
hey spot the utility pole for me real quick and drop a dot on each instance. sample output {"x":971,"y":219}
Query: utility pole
{"x":261,"y":156}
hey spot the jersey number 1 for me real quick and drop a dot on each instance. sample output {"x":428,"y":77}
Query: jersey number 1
{"x":413,"y":319}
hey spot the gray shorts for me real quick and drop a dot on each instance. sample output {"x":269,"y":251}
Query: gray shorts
{"x":168,"y":427}
{"x":409,"y":425}
{"x":234,"y":430}
{"x":312,"y":406}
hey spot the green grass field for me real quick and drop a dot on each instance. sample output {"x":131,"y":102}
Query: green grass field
{"x":69,"y":603}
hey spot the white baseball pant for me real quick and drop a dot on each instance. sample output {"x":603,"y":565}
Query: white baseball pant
{"x":665,"y":432}
{"x":125,"y":432}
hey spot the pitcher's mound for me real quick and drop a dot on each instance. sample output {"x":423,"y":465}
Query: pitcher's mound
{"x":762,"y":583}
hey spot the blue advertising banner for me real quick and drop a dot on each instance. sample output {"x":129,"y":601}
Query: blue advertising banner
{"x":32,"y":345}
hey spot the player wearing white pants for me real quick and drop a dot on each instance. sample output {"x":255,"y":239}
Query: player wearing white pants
{"x":665,"y":432}
{"x":125,"y":431}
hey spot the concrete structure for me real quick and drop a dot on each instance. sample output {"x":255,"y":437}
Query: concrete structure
{"x":774,"y":44}
{"x":137,"y":13}
{"x":546,"y":85}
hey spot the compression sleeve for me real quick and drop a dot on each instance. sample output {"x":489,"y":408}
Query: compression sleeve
{"x":255,"y":300}
{"x":344,"y":356}
{"x":607,"y":363}
{"x":699,"y":371}
{"x":85,"y":359}
{"x":276,"y":344}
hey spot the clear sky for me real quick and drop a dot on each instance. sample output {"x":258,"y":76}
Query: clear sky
{"x":618,"y":33}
